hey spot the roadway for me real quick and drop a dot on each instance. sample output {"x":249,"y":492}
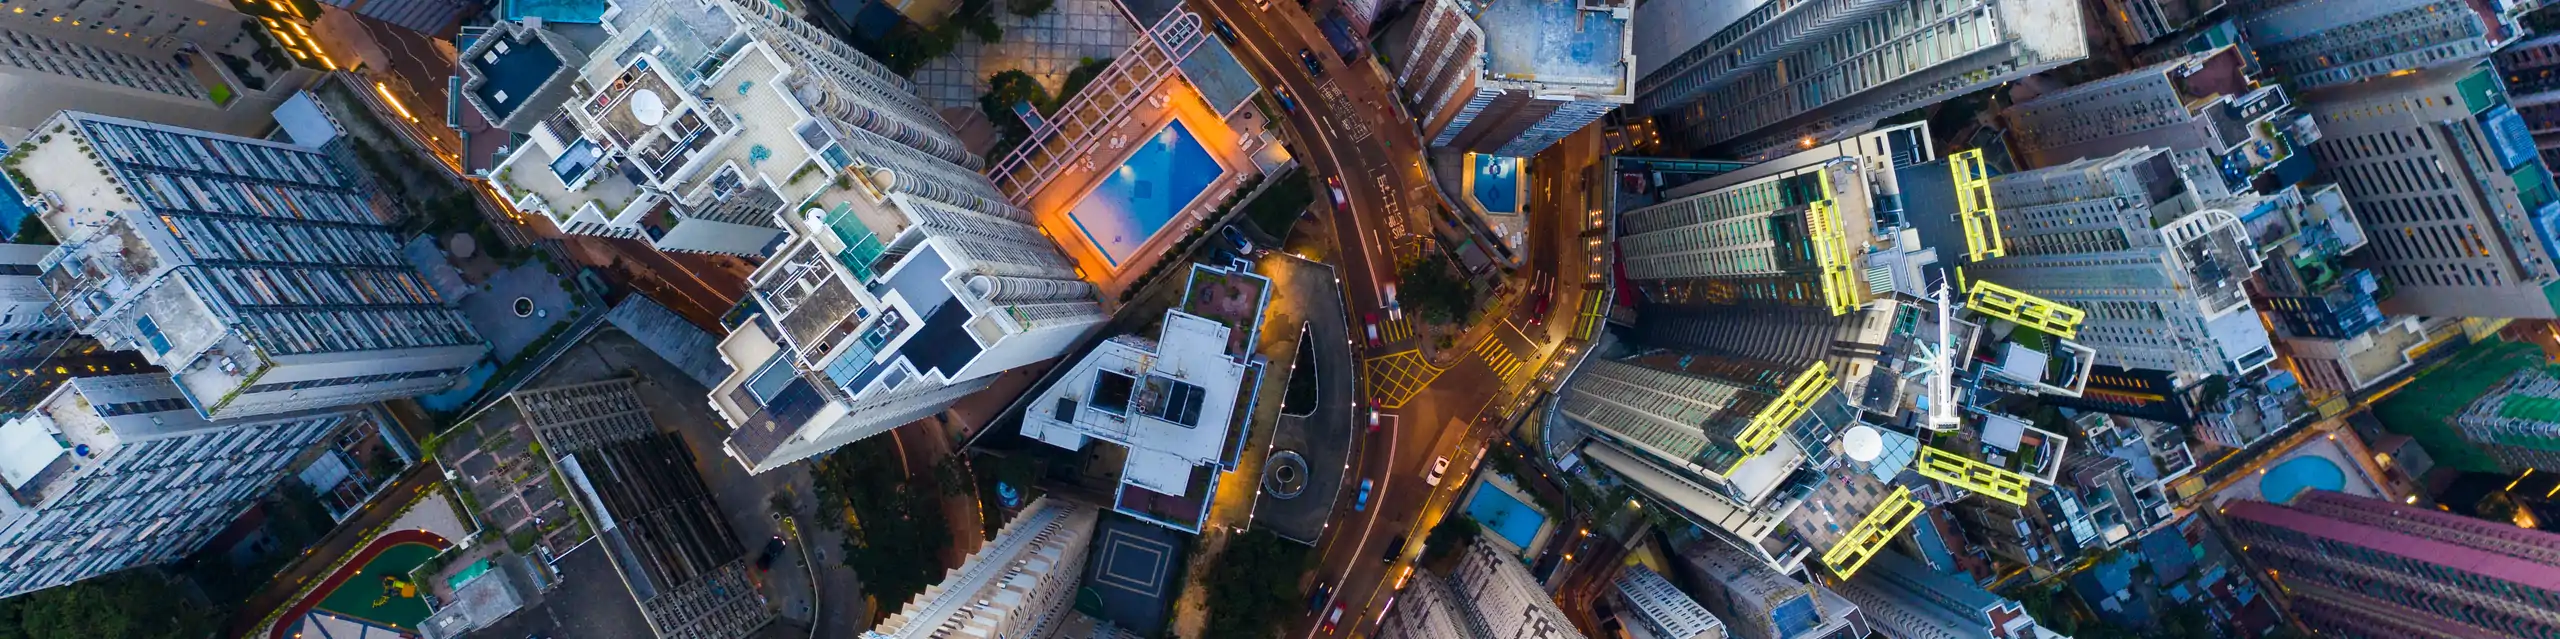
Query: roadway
{"x":1347,"y":127}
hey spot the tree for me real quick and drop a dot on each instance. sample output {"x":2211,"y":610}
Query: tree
{"x":134,"y":604}
{"x":1453,"y":533}
{"x":33,"y":231}
{"x":899,"y":534}
{"x":1436,"y":291}
{"x":1258,"y":587}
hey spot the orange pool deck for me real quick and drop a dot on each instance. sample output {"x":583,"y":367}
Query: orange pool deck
{"x":1052,"y":203}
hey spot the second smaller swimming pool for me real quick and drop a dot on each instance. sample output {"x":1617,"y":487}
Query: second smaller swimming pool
{"x":1504,"y":515}
{"x":2287,"y":480}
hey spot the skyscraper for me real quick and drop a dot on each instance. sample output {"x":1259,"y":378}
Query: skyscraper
{"x":1717,"y":438}
{"x":901,"y":281}
{"x":2527,"y":65}
{"x":114,"y":472}
{"x":2516,"y":421}
{"x":259,"y":274}
{"x":168,"y":61}
{"x":1502,"y":600}
{"x":1425,"y":610}
{"x":1662,"y":609}
{"x":703,"y":126}
{"x":2320,"y":43}
{"x":1907,"y":600}
{"x":2205,"y":106}
{"x":2445,"y":176}
{"x":1022,"y":584}
{"x":1510,"y":77}
{"x":1757,"y":602}
{"x":1788,"y":75}
{"x":2121,"y":237}
{"x":2361,"y":567}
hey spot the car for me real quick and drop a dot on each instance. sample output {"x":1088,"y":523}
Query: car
{"x":1315,"y":601}
{"x":1225,"y":31}
{"x":1331,"y":620}
{"x":1374,"y":342}
{"x":1373,"y":419}
{"x":1439,"y":466}
{"x":1395,"y":305}
{"x":1341,"y":198}
{"x":1360,"y":503}
{"x":1287,"y":103}
{"x":1315,"y":67}
{"x":1235,"y":236}
{"x":1539,"y":294}
{"x":772,"y":551}
{"x":1394,"y":549}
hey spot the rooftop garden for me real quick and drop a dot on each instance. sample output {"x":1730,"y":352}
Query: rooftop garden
{"x":1232,"y":299}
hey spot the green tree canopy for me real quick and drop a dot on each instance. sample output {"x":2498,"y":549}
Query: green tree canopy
{"x":134,"y":604}
{"x":1258,"y":586}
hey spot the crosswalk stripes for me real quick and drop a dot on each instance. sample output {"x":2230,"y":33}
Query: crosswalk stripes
{"x":1498,"y":358}
{"x":1396,"y":330}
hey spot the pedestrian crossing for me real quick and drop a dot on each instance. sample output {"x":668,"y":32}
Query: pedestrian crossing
{"x":1394,"y":330}
{"x":1498,"y":358}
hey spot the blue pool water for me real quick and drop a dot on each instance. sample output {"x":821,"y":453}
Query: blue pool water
{"x":1165,"y":174}
{"x":13,"y":208}
{"x":1497,"y":182}
{"x":1499,"y":512}
{"x":2287,"y":480}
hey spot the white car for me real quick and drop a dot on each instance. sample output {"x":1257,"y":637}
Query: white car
{"x":1439,"y":466}
{"x":1395,"y":304}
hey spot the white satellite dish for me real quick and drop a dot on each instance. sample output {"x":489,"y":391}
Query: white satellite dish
{"x":647,"y":107}
{"x":1862,"y":443}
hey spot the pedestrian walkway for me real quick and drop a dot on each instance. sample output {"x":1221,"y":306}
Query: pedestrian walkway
{"x":1391,"y":380}
{"x":1498,"y":358}
{"x":1396,"y":329}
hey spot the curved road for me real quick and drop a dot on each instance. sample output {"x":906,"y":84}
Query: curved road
{"x":1382,"y":177}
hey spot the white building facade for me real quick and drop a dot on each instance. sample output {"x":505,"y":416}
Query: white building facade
{"x":259,"y":274}
{"x":114,"y":472}
{"x":1022,"y":584}
{"x":1662,"y":609}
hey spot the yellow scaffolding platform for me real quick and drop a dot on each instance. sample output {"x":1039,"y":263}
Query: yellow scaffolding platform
{"x":2038,"y":313}
{"x":1870,"y":535}
{"x":1996,"y":482}
{"x":1789,"y":406}
{"x":1973,"y":201}
{"x":1831,"y":251}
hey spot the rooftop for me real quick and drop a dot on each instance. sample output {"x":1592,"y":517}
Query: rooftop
{"x":501,"y":75}
{"x":1580,"y":46}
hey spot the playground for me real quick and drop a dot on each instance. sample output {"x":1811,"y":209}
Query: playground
{"x":370,"y":586}
{"x":377,"y":593}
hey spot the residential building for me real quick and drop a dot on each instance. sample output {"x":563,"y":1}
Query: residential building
{"x":2528,"y":64}
{"x":903,"y":280}
{"x":2091,"y":505}
{"x":2516,"y":421}
{"x":2121,"y":237}
{"x":1705,"y":436}
{"x":709,"y":127}
{"x":2206,"y":108}
{"x":2307,"y":284}
{"x":1022,"y":584}
{"x":1510,"y":77}
{"x":1661,"y":609}
{"x":1426,"y":610}
{"x":28,"y":329}
{"x":2315,"y":43}
{"x":113,"y":472}
{"x":1502,"y":600}
{"x":1177,"y":405}
{"x":2446,"y":180}
{"x":2362,"y":363}
{"x":2363,"y":567}
{"x":1908,"y":600}
{"x":2139,"y":22}
{"x":188,"y":63}
{"x":259,"y":274}
{"x":1757,"y":602}
{"x":1788,"y":75}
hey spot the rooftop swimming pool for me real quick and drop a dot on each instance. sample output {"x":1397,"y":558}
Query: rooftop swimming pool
{"x":1135,"y":201}
{"x":13,"y":208}
{"x":1504,"y":515}
{"x":2287,"y":480}
{"x":1497,"y":182}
